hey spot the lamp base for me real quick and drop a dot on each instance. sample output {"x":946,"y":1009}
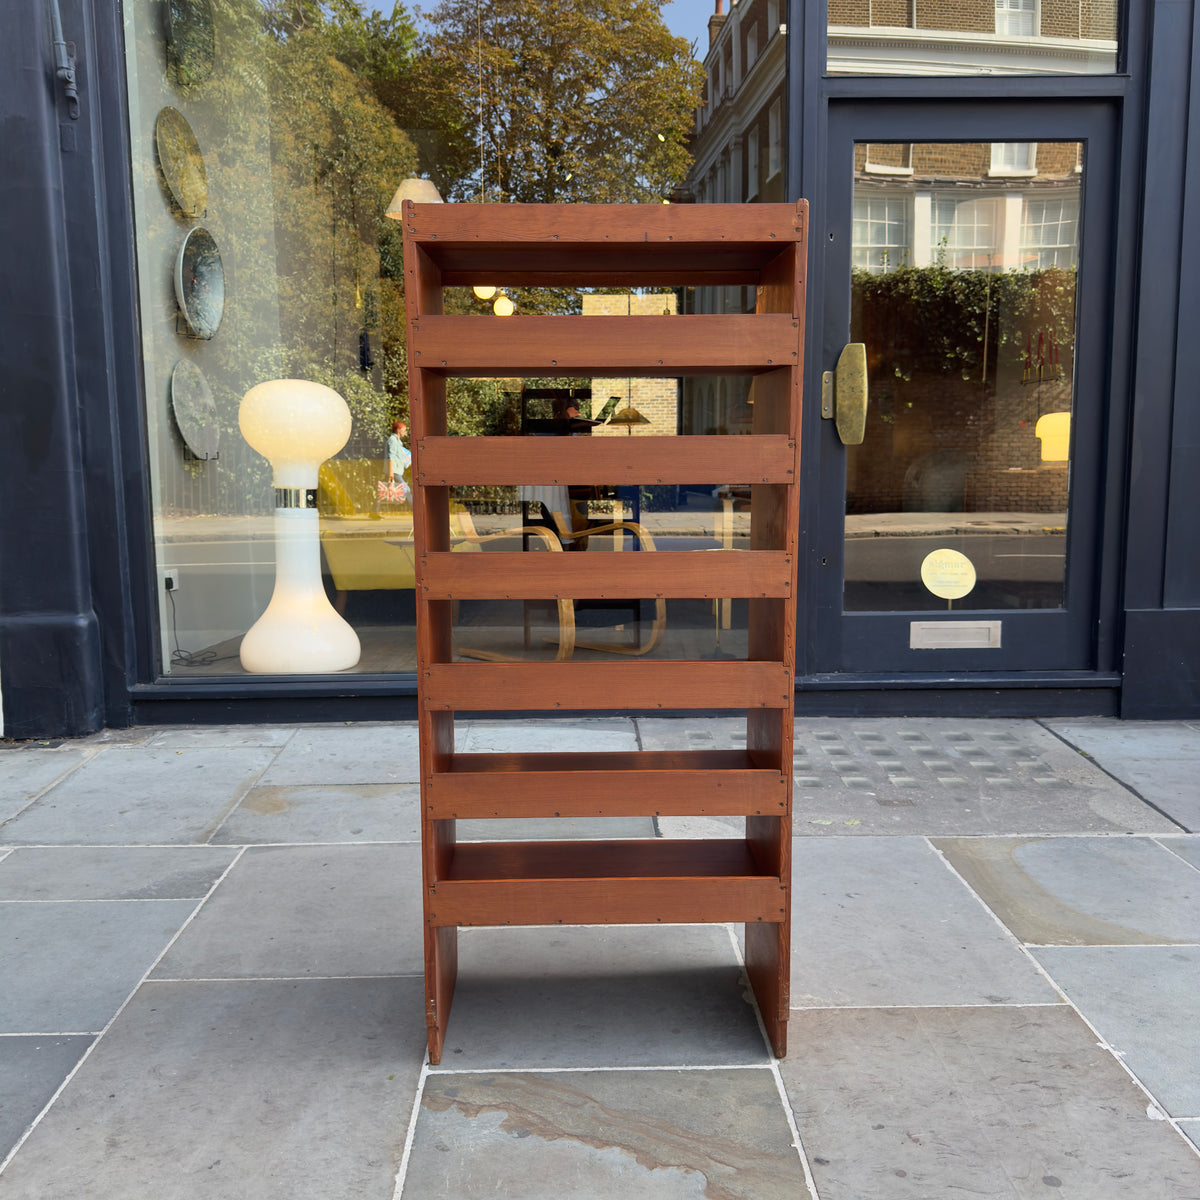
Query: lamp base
{"x":297,"y":638}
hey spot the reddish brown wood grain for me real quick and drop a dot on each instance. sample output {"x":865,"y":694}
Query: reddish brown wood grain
{"x":609,"y":460}
{"x":581,"y":784}
{"x":645,"y":900}
{"x":504,"y":575}
{"x":738,"y":879}
{"x":605,"y":686}
{"x":597,"y":883}
{"x":576,"y":345}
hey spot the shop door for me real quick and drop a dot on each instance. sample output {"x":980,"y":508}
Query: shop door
{"x":968,"y":251}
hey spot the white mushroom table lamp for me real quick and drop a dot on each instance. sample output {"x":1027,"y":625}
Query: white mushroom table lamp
{"x":296,"y":425}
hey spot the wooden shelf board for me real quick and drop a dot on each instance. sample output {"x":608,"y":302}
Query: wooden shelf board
{"x":605,"y":882}
{"x":590,"y":346}
{"x":516,"y":243}
{"x":619,"y":461}
{"x":700,"y":574}
{"x":635,"y":783}
{"x":540,"y":268}
{"x":693,"y":900}
{"x":582,"y":762}
{"x":604,"y":686}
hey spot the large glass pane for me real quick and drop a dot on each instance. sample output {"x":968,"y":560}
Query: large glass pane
{"x":268,"y":139}
{"x":969,"y":325}
{"x":972,"y":37}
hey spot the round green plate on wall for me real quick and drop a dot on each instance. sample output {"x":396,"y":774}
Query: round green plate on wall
{"x":195,"y":410}
{"x":200,"y":283}
{"x":181,"y":162}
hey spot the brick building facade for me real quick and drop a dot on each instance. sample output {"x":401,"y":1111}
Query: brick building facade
{"x":656,"y":399}
{"x":1046,"y":18}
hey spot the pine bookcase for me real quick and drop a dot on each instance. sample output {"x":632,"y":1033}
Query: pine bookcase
{"x":745,"y":879}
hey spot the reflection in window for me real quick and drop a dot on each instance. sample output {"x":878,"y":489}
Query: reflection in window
{"x":1014,"y":158}
{"x":1017,"y":18}
{"x":752,"y":166}
{"x":972,"y":37}
{"x":1048,"y":230}
{"x":963,"y":291}
{"x":775,"y":139}
{"x":965,"y":232}
{"x":882,"y":234}
{"x":314,"y":114}
{"x":888,"y":158}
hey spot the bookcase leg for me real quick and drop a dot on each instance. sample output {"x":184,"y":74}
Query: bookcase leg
{"x":441,"y":970}
{"x":768,"y":964}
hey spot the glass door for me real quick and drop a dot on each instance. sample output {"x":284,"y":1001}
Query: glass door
{"x":968,"y":256}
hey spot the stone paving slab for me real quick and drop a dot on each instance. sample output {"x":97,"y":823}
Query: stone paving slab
{"x":570,"y":734}
{"x":1192,"y":1130}
{"x":112,"y":872}
{"x":933,"y":777}
{"x":31,"y":1071}
{"x":604,"y":996}
{"x":382,"y":753}
{"x":1188,"y":848}
{"x":1159,"y":759}
{"x":26,"y":771}
{"x":1143,"y":1001}
{"x":288,"y":1090}
{"x":549,"y":829}
{"x":220,"y":736}
{"x":881,"y":921}
{"x":1082,"y":891}
{"x":140,"y":795}
{"x":692,"y":733}
{"x":285,"y":912}
{"x":627,"y":1135}
{"x":324,"y":812}
{"x":67,"y":968}
{"x":913,"y":1104}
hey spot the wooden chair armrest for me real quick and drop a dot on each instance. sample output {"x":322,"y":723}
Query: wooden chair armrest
{"x":547,"y":535}
{"x":640,"y":532}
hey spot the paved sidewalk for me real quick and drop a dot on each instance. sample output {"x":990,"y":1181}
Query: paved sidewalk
{"x":210,"y":978}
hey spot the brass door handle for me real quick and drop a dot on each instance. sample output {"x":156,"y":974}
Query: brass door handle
{"x":844,"y":394}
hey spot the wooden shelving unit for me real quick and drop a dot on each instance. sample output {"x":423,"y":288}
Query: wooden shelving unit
{"x":602,"y":882}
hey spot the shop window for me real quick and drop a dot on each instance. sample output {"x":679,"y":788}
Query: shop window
{"x":267,"y":142}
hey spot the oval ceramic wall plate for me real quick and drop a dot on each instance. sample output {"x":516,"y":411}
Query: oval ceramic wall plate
{"x":181,"y":162}
{"x":191,"y":41}
{"x":200,"y":283}
{"x":195,"y":409}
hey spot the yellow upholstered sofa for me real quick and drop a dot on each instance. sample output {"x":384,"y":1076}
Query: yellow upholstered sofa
{"x":368,"y":544}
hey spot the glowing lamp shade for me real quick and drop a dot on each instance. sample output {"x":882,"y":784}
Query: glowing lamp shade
{"x":296,"y":425}
{"x":420,"y":191}
{"x":1054,"y":432}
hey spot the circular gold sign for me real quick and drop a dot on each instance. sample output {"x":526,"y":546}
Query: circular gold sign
{"x":948,"y":574}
